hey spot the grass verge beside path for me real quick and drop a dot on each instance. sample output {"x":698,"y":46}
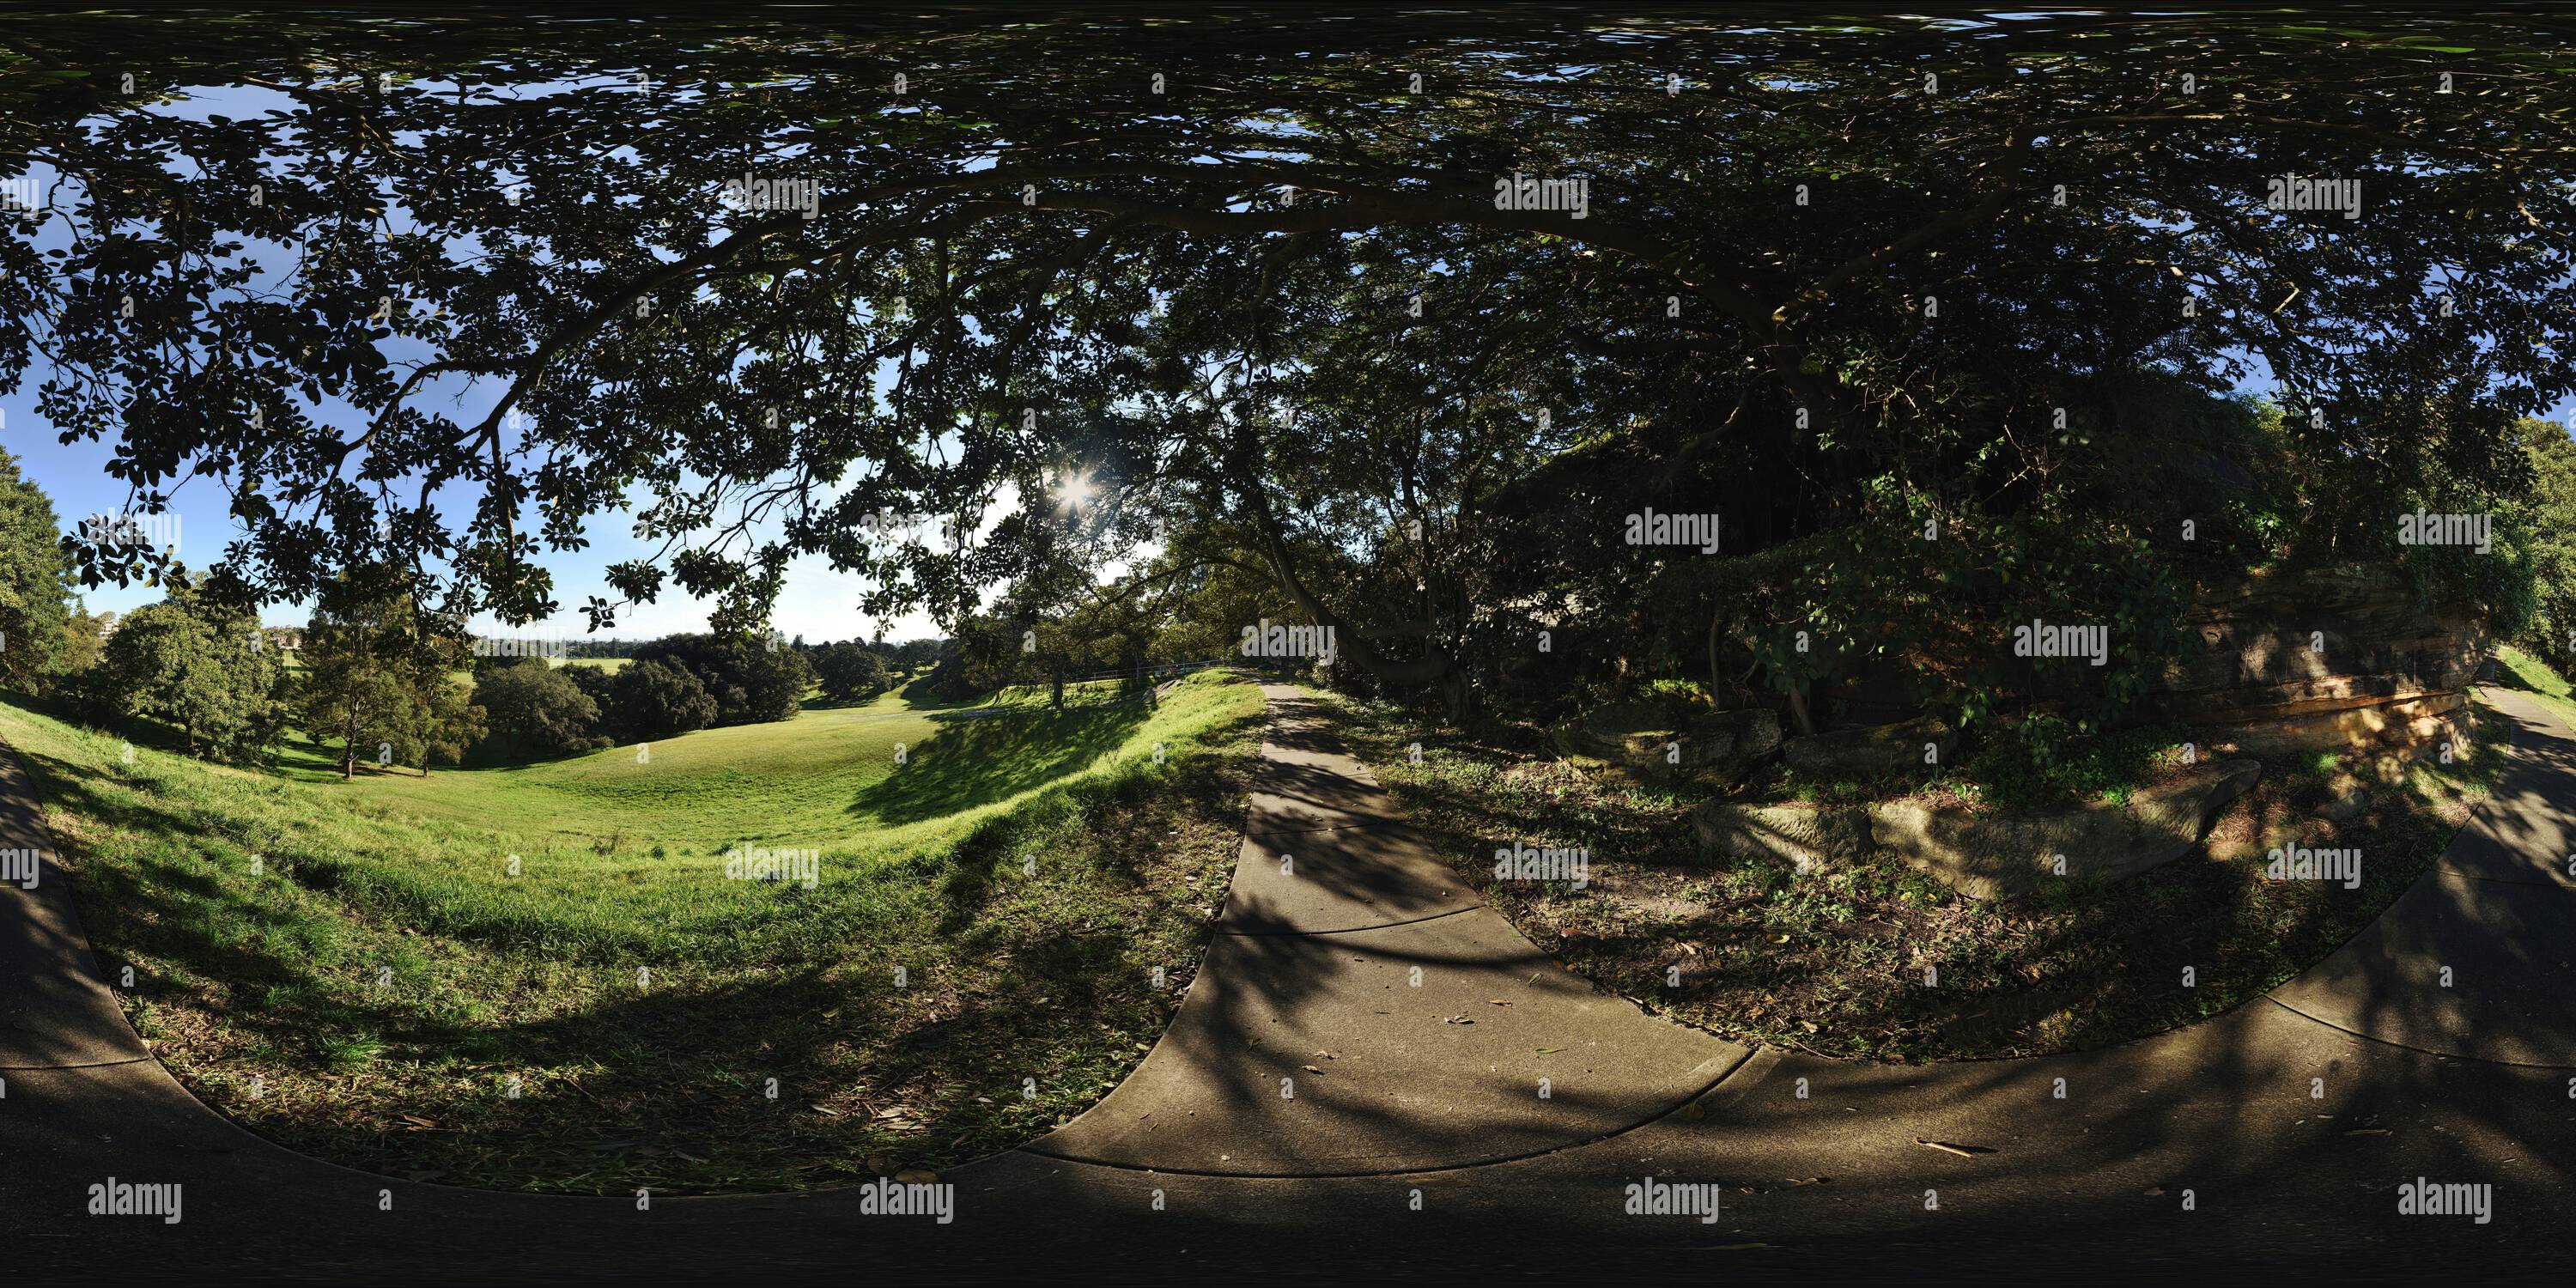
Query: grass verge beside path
{"x":378,"y":990}
{"x":2516,"y":669}
{"x":1834,"y":963}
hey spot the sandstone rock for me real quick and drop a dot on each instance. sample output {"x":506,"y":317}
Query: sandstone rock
{"x":2404,"y":722}
{"x":1636,"y":740}
{"x":1994,"y":854}
{"x":1805,"y":835}
{"x":1870,"y":751}
{"x":2349,"y":796}
{"x":2347,"y":657}
{"x":2272,"y":837}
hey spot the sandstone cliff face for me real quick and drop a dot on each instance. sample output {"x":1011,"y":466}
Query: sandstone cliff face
{"x":2344,"y":657}
{"x":2349,"y":659}
{"x":1991,"y":854}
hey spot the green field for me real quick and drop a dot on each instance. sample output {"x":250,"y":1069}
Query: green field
{"x":386,"y":977}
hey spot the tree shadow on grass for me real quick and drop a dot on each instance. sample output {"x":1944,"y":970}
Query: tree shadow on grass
{"x":977,"y":762}
{"x":660,"y":1085}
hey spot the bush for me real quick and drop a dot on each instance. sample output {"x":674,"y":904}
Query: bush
{"x":535,"y":712}
{"x":2042,"y":761}
{"x":650,"y":701}
{"x":1682,"y":701}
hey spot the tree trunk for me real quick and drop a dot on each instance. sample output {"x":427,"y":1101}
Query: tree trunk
{"x":1437,"y":668}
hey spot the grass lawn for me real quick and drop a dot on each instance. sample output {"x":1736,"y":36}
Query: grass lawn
{"x":2519,"y":670}
{"x":1027,"y":696}
{"x":380,"y":990}
{"x":1833,"y":962}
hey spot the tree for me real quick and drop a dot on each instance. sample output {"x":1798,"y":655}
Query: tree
{"x":33,"y":582}
{"x":599,"y":685}
{"x":536,"y":711}
{"x":1837,"y":283}
{"x":751,"y":683}
{"x":197,"y":663}
{"x":84,"y":641}
{"x":848,"y":671}
{"x":377,"y":674}
{"x":653,"y":700}
{"x":451,"y":723}
{"x":2551,"y":521}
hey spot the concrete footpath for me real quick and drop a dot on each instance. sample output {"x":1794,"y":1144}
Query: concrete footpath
{"x":1375,"y":1076}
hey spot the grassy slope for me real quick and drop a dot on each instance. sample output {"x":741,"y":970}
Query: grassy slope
{"x":639,"y":998}
{"x":2521,"y":670}
{"x":1833,"y":963}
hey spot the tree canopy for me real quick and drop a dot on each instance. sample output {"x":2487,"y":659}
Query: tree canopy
{"x":1912,"y":306}
{"x":34,"y":619}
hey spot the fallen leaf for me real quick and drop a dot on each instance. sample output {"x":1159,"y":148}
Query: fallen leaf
{"x":418,"y":1121}
{"x":1963,"y":1151}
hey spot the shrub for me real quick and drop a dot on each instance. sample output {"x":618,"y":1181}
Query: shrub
{"x":2042,"y":760}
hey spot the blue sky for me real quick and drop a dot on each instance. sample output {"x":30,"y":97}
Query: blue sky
{"x":818,"y":603}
